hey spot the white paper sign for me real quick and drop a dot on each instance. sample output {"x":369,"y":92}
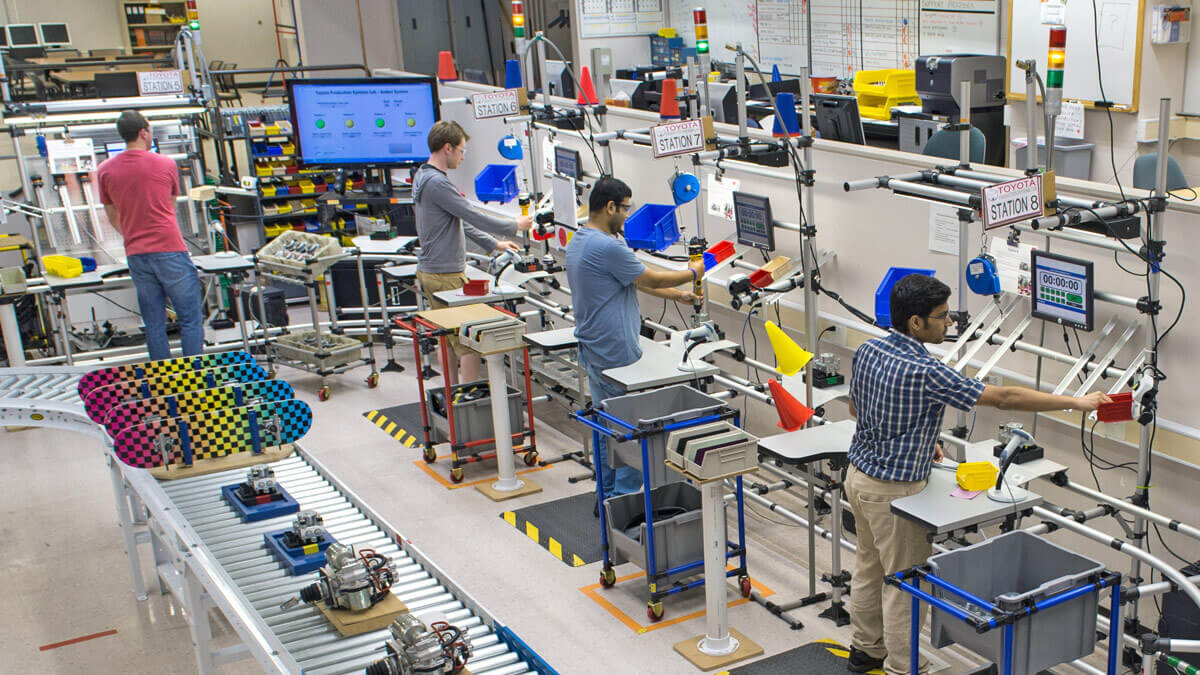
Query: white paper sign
{"x":1012,"y":264}
{"x":160,"y":82}
{"x":677,"y":138}
{"x":1012,"y":202}
{"x":1069,"y":123}
{"x":73,"y":155}
{"x":496,"y":104}
{"x":944,"y":230}
{"x":720,"y":196}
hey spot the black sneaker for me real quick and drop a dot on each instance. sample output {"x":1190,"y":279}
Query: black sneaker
{"x":859,"y":662}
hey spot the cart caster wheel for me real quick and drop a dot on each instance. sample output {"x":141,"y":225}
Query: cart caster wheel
{"x":429,"y":455}
{"x":373,"y":380}
{"x":323,"y":393}
{"x":745,"y":586}
{"x":531,"y":458}
{"x":655,"y":611}
{"x":457,"y":474}
{"x":608,"y":578}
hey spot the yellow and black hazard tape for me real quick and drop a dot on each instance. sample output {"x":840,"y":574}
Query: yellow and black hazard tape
{"x":390,"y":428}
{"x":549,"y":543}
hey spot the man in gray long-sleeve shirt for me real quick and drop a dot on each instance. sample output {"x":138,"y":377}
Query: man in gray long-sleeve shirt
{"x":443,"y":216}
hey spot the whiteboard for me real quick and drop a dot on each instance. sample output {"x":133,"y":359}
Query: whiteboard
{"x":729,"y":22}
{"x":608,"y":18}
{"x":960,"y":26}
{"x":1120,"y":46}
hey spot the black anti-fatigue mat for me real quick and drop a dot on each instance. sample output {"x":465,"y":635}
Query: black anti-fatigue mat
{"x":564,"y":527}
{"x":815,"y":658}
{"x":401,"y":422}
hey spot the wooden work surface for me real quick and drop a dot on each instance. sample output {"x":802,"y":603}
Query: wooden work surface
{"x":450,"y":318}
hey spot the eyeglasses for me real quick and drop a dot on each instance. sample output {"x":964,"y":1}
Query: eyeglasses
{"x":944,"y":316}
{"x":626,"y":207}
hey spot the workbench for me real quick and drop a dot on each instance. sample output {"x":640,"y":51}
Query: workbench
{"x":658,"y":367}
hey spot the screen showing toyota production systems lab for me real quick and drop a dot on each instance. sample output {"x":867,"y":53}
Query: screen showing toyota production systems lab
{"x":369,"y":122}
{"x":1062,"y":290}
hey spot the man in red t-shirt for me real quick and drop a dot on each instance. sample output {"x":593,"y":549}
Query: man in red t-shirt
{"x":138,"y":189}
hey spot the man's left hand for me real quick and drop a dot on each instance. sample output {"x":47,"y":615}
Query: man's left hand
{"x":938,"y":454}
{"x":685,"y":297}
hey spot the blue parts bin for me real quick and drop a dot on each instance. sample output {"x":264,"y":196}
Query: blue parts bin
{"x":652,"y":227}
{"x":883,"y":294}
{"x":684,"y":188}
{"x":982,"y":277}
{"x":88,"y":264}
{"x":496,"y":183}
{"x":510,"y":148}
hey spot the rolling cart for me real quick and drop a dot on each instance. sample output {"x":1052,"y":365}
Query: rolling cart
{"x":303,"y":259}
{"x":459,"y":413}
{"x":660,"y":528}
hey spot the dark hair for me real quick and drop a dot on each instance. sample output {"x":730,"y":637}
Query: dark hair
{"x":130,"y":124}
{"x":608,"y":189}
{"x":446,"y":131}
{"x":916,"y":295}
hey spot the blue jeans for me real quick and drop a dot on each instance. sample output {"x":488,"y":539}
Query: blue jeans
{"x":158,"y":276}
{"x":623,"y":480}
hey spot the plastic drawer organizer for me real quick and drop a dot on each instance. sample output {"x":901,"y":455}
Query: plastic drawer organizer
{"x":1016,"y":599}
{"x":667,"y":543}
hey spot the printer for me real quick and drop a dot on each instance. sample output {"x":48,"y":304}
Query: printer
{"x":939,"y":83}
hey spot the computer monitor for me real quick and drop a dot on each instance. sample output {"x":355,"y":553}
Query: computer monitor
{"x":364,"y":122}
{"x":3,"y":38}
{"x":838,"y":119}
{"x":117,"y":147}
{"x":558,"y":74}
{"x":23,"y":35}
{"x":562,"y":191}
{"x":752,"y":218}
{"x":1063,"y":289}
{"x":116,"y":85}
{"x":566,"y":162}
{"x":54,"y":34}
{"x":26,"y":52}
{"x":759,"y":91}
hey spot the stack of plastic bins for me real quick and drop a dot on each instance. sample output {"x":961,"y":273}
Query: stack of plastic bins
{"x":668,"y":543}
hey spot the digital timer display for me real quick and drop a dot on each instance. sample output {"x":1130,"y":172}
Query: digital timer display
{"x":1062,"y":289}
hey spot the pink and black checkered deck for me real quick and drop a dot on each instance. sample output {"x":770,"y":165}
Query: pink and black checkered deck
{"x":141,"y":371}
{"x":213,"y":434}
{"x":102,"y":399}
{"x":131,"y":413}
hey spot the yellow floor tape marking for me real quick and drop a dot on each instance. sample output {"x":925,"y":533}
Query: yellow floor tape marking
{"x":371,"y":415}
{"x":389,"y":428}
{"x":381,"y":421}
{"x":532,"y":532}
{"x":408,"y":443}
{"x":510,"y":518}
{"x":577,"y":562}
{"x":555,"y":548}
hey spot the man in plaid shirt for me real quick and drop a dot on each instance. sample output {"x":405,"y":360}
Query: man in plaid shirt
{"x":899,"y":393}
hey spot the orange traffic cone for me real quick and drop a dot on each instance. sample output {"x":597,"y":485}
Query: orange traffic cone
{"x":792,"y":413}
{"x":587,"y":92}
{"x":668,"y":107}
{"x":446,"y":71}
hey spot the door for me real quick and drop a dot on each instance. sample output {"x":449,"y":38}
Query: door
{"x":477,"y":38}
{"x":423,"y":33}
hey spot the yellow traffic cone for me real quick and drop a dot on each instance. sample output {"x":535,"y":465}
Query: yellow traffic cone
{"x":790,"y":357}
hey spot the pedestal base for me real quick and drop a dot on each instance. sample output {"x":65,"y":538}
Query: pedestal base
{"x":238,"y":460}
{"x":528,"y":488}
{"x":381,"y":615}
{"x":689,"y":649}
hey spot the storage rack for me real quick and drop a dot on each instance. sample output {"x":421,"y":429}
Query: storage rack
{"x":152,"y":26}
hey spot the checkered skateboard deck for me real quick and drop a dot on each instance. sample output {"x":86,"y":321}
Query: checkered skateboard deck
{"x":135,"y":412}
{"x":102,"y":399}
{"x":141,"y":371}
{"x":207,"y":435}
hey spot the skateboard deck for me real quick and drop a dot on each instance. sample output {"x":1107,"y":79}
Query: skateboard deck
{"x":208,"y":435}
{"x":131,"y":413}
{"x":141,"y":371}
{"x":102,"y":399}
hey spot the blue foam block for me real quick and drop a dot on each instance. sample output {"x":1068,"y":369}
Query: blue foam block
{"x":296,"y":560}
{"x":272,"y":509}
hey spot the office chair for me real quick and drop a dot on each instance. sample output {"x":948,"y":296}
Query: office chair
{"x":1145,"y":170}
{"x":476,"y":75}
{"x":945,"y":144}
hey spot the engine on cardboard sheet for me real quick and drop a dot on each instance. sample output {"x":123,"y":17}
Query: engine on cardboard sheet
{"x":352,"y":579}
{"x":415,"y":648}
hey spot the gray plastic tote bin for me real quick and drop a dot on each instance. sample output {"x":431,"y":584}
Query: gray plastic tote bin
{"x":473,"y":419}
{"x":1010,"y":570}
{"x":669,"y":405}
{"x":678,"y":538}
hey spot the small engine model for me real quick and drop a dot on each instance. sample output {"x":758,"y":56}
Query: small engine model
{"x":825,"y":371}
{"x":308,"y":528}
{"x":351,"y":579}
{"x":260,"y":486}
{"x":1026,"y":451}
{"x":413,"y":648}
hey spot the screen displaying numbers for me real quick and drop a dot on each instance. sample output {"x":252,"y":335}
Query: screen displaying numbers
{"x":752,"y":217}
{"x":1062,"y":290}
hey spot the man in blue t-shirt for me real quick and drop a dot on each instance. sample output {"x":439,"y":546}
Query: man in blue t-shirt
{"x":604,"y":276}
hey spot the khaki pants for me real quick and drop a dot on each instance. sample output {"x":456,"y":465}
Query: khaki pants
{"x":435,"y":283}
{"x":887,"y":543}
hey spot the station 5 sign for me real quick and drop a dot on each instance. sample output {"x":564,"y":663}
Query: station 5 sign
{"x":1011,"y":202}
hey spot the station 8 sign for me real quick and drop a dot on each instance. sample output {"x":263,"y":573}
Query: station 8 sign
{"x":680,"y":138}
{"x":1011,"y":202}
{"x":499,"y":104}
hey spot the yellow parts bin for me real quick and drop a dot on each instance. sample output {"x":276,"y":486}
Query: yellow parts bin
{"x":62,"y":266}
{"x":880,"y":90}
{"x":975,"y":476}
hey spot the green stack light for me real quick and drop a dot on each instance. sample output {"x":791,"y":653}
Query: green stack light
{"x":1056,"y":60}
{"x":700,"y":19}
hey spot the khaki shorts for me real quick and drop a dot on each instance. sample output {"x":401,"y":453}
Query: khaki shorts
{"x":431,"y":283}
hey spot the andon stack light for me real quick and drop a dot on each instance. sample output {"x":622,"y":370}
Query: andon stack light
{"x":700,"y":18}
{"x":518,"y":19}
{"x":1056,"y":63}
{"x":193,"y":15}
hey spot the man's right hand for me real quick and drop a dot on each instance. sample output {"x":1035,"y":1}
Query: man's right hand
{"x":505,"y":245}
{"x":524,"y":223}
{"x":697,"y":266}
{"x":1092,"y":401}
